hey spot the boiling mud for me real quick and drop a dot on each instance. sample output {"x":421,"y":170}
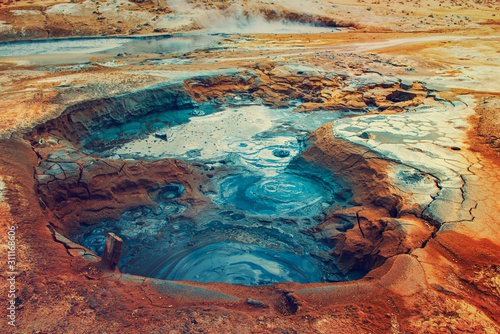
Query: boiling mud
{"x":251,"y":233}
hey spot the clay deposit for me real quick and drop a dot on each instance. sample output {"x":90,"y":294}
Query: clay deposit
{"x":271,"y":167}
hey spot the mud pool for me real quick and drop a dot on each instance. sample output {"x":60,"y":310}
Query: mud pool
{"x":260,"y":203}
{"x":162,"y":44}
{"x":158,"y":44}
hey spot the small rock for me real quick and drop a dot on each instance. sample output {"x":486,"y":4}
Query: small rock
{"x":366,"y":135}
{"x":255,"y":303}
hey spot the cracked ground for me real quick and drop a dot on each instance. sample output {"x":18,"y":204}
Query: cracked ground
{"x":411,"y":92}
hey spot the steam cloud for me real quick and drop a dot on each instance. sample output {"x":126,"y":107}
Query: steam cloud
{"x":237,"y":19}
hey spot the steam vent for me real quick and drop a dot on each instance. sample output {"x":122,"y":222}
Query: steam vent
{"x":245,"y":166}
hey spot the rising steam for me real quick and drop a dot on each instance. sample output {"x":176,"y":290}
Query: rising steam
{"x":239,"y":19}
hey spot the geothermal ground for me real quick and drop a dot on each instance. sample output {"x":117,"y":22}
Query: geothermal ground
{"x":271,"y":167}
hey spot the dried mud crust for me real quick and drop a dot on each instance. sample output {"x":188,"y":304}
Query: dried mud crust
{"x":79,"y":188}
{"x":398,"y":289}
{"x":82,"y":189}
{"x":448,"y":283}
{"x":391,"y":296}
{"x":90,"y":18}
{"x":378,"y":226}
{"x":372,"y":234}
{"x":487,"y":121}
{"x":277,"y":85}
{"x":61,"y":293}
{"x":351,"y":85}
{"x":41,"y":19}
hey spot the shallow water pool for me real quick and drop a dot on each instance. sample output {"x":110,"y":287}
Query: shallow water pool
{"x":85,"y":45}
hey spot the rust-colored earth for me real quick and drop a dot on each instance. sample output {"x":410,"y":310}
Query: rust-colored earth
{"x":418,"y":83}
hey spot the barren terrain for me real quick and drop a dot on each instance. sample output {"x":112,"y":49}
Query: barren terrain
{"x":378,"y":119}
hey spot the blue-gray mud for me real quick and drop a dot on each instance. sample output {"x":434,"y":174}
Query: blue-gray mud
{"x":166,"y":44}
{"x":252,"y":232}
